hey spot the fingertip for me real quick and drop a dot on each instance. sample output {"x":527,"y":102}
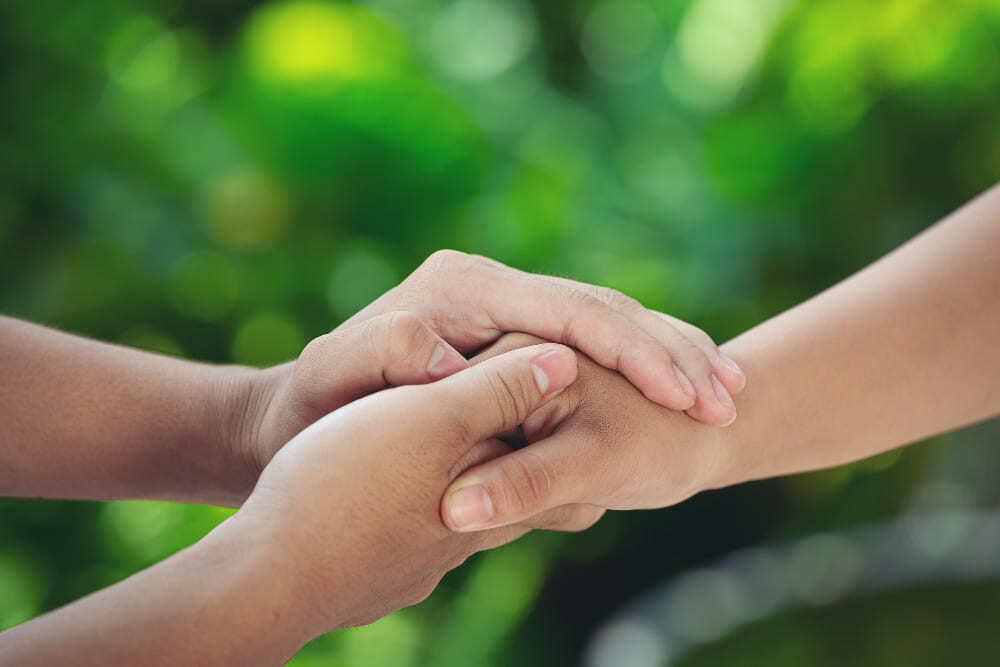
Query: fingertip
{"x":554,"y":369}
{"x":467,"y":508}
{"x":445,"y":361}
{"x":731,"y":374}
{"x":733,"y":382}
{"x":711,"y":416}
{"x":714,"y":407}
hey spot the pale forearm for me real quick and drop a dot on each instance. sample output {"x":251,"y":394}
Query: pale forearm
{"x":224,"y":601}
{"x":84,"y":419}
{"x":903,"y":350}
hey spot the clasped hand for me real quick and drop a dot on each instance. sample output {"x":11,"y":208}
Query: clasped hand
{"x":364,"y":483}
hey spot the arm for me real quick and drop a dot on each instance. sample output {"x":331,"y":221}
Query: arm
{"x":342,"y":528}
{"x":84,"y":419}
{"x":902,"y":350}
{"x":229,"y":599}
{"x":87,"y":419}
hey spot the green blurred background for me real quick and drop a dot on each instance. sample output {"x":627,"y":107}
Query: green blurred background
{"x":226,"y":179}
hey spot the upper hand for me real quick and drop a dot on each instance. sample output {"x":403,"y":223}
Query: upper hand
{"x":471,"y":301}
{"x":454,"y":303}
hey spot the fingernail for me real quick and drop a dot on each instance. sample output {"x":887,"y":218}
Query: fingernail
{"x":469,"y":508}
{"x":724,"y":397}
{"x":444,"y":362}
{"x":732,"y":364}
{"x":551,"y":371}
{"x":685,"y":381}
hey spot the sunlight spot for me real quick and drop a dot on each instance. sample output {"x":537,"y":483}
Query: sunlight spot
{"x":360,"y":276}
{"x":617,"y":37}
{"x":246,"y":207}
{"x":627,"y":642}
{"x":309,"y":39}
{"x":707,"y":604}
{"x":824,"y":567}
{"x":203,"y":285}
{"x":479,"y":39}
{"x":267,"y":338}
{"x":718,"y":45}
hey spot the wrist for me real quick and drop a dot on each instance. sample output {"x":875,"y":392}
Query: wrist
{"x":235,"y":401}
{"x":729,"y":450}
{"x":265,"y":591}
{"x":317,"y":588}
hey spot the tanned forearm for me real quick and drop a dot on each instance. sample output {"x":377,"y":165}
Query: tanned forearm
{"x":83,"y":419}
{"x":904,"y":349}
{"x":227,"y":600}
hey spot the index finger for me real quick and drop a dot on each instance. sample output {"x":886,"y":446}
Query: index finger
{"x":535,"y":305}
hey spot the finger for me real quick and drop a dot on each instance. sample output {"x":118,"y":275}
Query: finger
{"x":514,"y":488}
{"x":569,"y":518}
{"x":478,"y":299}
{"x":726,"y":369}
{"x":542,"y":307}
{"x":714,"y":404}
{"x":481,"y":452}
{"x":498,"y":394}
{"x":692,"y":350}
{"x":391,"y":349}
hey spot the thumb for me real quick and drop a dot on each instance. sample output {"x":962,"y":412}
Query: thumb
{"x":391,"y":349}
{"x":500,"y":393}
{"x":515,"y":487}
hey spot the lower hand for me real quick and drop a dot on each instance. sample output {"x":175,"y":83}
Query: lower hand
{"x":352,"y":502}
{"x":453,"y":304}
{"x":600,"y":442}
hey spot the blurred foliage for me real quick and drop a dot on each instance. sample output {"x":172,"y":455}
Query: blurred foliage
{"x":226,"y":179}
{"x":927,"y":626}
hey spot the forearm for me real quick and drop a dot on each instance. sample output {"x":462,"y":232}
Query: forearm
{"x":84,"y":419}
{"x":903,"y":350}
{"x":227,"y":600}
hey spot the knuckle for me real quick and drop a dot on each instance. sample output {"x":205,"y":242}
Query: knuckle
{"x":442,"y":260}
{"x":699,"y":337}
{"x":503,"y":396}
{"x":588,"y":517}
{"x":696,"y":359}
{"x":307,"y":368}
{"x":578,"y":302}
{"x":403,"y":333}
{"x":455,"y":424}
{"x":622,"y":302}
{"x":316,"y":349}
{"x":579,"y":518}
{"x":527,"y":482}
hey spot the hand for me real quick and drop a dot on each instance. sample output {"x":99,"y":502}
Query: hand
{"x":356,"y":359}
{"x":599,"y":442}
{"x":471,"y":301}
{"x":456,"y":303}
{"x":352,"y":502}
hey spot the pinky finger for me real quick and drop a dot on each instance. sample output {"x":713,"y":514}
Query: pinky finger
{"x":728,"y":371}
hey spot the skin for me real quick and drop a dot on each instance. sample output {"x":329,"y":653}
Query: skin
{"x":131,"y":424}
{"x":281,"y":571}
{"x":900,"y":351}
